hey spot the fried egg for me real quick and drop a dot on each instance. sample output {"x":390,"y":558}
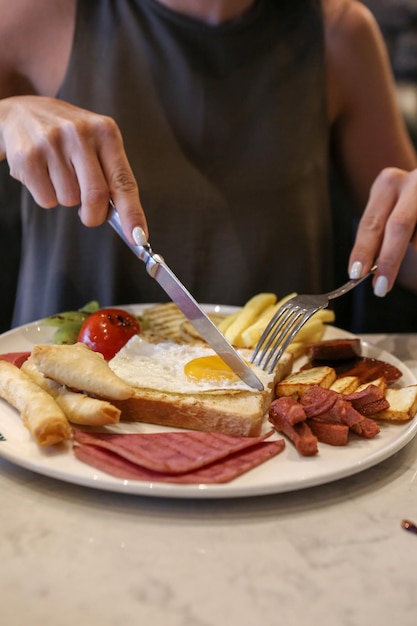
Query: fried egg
{"x":179,"y":368}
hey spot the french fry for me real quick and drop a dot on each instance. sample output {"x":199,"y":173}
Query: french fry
{"x":243,"y":333}
{"x":252,"y":334}
{"x":247,"y":316}
{"x":310,"y":329}
{"x":296,"y":348}
{"x":327,"y":316}
{"x":228,"y":321}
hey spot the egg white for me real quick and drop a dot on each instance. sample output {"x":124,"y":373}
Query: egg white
{"x":161,"y":367}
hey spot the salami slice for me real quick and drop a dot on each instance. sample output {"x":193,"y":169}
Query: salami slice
{"x":222,"y":471}
{"x":16,"y":358}
{"x":169,"y":452}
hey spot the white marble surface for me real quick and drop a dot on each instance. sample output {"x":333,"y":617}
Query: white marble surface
{"x":334,"y":555}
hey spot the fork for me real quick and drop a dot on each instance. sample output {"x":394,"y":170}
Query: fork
{"x":290,"y":318}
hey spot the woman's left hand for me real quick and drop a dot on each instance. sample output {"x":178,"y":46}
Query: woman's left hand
{"x":386,"y":228}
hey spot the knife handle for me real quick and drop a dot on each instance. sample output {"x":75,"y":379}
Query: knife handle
{"x":143,"y":252}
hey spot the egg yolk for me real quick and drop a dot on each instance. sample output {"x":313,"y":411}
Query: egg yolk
{"x":212,"y":367}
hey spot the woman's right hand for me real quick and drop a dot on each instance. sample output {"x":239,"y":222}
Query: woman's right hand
{"x":69,"y":156}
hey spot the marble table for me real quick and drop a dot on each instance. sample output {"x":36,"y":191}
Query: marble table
{"x":334,"y":555}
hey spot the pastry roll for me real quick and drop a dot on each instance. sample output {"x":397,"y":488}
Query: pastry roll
{"x":78,"y":367}
{"x":78,"y":407}
{"x":40,"y":413}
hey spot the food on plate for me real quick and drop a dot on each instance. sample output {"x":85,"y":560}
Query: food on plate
{"x":17,"y":358}
{"x":78,"y":367}
{"x":380,"y":382}
{"x":327,"y":402}
{"x":40,"y":413}
{"x":225,"y":458}
{"x":170,"y":452}
{"x":244,"y":327}
{"x":333,"y":434}
{"x":77,"y":407}
{"x":345,"y":357}
{"x":69,"y":323}
{"x":367,"y":369}
{"x":189,"y":334}
{"x":334,"y":350}
{"x":181,"y":368}
{"x":205,"y":398}
{"x":402,"y":404}
{"x":288,"y":417}
{"x":248,"y":314}
{"x":297,"y":383}
{"x":167,"y":322}
{"x":107,"y":330}
{"x":252,"y":332}
{"x":345,"y":384}
{"x":163,"y":321}
{"x":166,"y":374}
{"x":322,"y":414}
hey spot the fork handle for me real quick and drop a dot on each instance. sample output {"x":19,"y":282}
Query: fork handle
{"x":350,"y":284}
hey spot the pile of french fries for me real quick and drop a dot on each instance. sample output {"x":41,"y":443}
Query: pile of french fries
{"x":244,"y":327}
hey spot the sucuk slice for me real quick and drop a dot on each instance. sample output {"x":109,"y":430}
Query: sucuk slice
{"x":299,"y":433}
{"x":222,"y":471}
{"x":332,"y":433}
{"x":366,"y":369}
{"x":358,"y":423}
{"x":16,"y":358}
{"x":169,"y":452}
{"x":334,"y":350}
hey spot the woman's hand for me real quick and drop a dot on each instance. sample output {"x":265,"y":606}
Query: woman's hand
{"x":386,"y":228}
{"x":70,"y":156}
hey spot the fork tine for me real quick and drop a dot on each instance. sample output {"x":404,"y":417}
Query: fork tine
{"x":290,"y":318}
{"x":284,"y":340}
{"x":265,"y":340}
{"x":278,"y":335}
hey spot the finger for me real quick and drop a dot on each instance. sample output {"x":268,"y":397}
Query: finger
{"x":31,"y":169}
{"x":94,"y":188}
{"x":44,"y":170}
{"x":122,"y":183}
{"x":370,"y":233}
{"x":125,"y":195}
{"x":64,"y":181}
{"x":399,"y":231}
{"x":394,"y":196}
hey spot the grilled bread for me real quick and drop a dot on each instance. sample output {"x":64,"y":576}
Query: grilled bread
{"x":234,"y":412}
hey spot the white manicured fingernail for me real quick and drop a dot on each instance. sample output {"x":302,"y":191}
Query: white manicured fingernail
{"x":139,"y":236}
{"x":356,"y":270}
{"x":381,"y":286}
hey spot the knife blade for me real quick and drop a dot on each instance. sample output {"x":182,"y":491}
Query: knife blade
{"x":159,"y":270}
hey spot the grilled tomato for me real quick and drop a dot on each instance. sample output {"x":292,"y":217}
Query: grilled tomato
{"x":107,"y":330}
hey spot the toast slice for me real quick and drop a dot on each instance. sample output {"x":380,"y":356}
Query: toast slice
{"x":402,"y":404}
{"x":164,"y":320}
{"x":189,"y":334}
{"x":296,"y":384}
{"x":345,"y":384}
{"x":240,"y":413}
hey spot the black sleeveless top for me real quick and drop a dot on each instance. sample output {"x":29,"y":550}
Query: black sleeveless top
{"x":227,"y":133}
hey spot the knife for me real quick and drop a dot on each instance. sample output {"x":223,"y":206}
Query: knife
{"x":159,"y":270}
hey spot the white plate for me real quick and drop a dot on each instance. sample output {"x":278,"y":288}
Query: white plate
{"x":286,"y":472}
